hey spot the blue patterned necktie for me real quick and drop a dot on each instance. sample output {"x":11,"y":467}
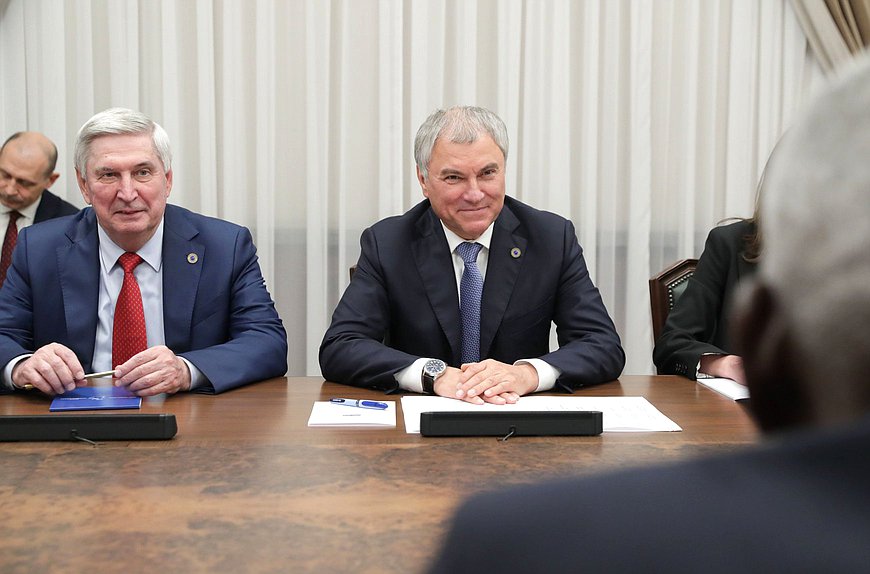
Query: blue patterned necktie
{"x":470,"y":291}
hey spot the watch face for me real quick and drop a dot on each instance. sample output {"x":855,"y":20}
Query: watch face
{"x":434,"y":367}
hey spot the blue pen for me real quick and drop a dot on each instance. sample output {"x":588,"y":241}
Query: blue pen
{"x":360,"y":404}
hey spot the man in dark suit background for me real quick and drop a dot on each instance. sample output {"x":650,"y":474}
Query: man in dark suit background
{"x":405,"y":320}
{"x":27,"y":163}
{"x":205,"y":320}
{"x":800,"y":502}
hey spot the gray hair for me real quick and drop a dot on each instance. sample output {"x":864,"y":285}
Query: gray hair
{"x":117,"y":121}
{"x":816,"y":210}
{"x":459,"y":124}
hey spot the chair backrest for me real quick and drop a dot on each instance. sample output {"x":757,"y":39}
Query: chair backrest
{"x":664,"y":290}
{"x":352,"y":270}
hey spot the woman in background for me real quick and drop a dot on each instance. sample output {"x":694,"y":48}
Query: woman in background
{"x":694,"y":341}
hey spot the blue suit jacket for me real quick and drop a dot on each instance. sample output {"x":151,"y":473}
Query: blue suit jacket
{"x":217,"y":312}
{"x":403,"y":303}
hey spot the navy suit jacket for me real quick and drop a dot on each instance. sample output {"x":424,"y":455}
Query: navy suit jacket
{"x":217,"y":312}
{"x":52,"y":206}
{"x":698,"y":323}
{"x":797,"y":504}
{"x":403,"y":304}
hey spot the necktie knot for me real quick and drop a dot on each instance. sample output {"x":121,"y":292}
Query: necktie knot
{"x":13,"y":216}
{"x":468,"y":251}
{"x":129,"y":261}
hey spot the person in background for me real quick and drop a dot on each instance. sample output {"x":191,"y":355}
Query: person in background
{"x":694,"y":341}
{"x":166,"y":299}
{"x":27,"y":163}
{"x":456,"y":296}
{"x":799,"y":502}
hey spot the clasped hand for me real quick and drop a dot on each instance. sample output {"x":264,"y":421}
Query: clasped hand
{"x":55,"y":369}
{"x":488,"y":381}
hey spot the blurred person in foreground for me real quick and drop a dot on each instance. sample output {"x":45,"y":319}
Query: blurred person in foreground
{"x":799,"y":502}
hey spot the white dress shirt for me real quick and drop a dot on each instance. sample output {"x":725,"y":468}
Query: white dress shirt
{"x":27,"y":215}
{"x":149,"y":276}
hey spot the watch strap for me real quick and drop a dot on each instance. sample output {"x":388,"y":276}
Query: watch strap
{"x":428,"y":383}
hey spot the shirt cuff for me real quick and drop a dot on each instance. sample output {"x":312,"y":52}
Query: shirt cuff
{"x":197,"y":379}
{"x":7,"y":371}
{"x":411,"y":378}
{"x":547,"y":373}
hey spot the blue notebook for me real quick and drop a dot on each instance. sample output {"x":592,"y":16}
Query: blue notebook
{"x":95,"y":399}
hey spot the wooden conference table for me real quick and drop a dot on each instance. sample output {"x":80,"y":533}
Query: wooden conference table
{"x":246,"y":486}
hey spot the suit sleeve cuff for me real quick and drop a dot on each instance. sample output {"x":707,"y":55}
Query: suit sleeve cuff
{"x":411,"y":377}
{"x":7,"y":371}
{"x":547,"y":373}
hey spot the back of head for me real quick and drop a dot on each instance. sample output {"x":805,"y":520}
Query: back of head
{"x":459,"y":124}
{"x":120,"y":121}
{"x":816,"y":211}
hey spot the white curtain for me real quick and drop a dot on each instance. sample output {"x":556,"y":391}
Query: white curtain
{"x":646,"y":121}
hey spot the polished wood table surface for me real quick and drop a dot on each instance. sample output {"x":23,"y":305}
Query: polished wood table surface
{"x":246,"y":486}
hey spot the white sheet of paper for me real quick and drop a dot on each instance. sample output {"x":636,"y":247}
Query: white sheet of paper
{"x":726,"y":387}
{"x":619,"y":414}
{"x":326,"y":414}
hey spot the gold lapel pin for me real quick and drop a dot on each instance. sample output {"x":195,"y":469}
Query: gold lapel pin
{"x":516,"y":252}
{"x":192,"y":258}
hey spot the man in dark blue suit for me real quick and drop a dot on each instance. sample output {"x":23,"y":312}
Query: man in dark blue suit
{"x":800,"y":502}
{"x":209,"y":322}
{"x":401,"y":321}
{"x":27,"y":162}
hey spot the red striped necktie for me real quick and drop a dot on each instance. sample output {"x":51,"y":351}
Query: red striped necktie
{"x":8,"y":245}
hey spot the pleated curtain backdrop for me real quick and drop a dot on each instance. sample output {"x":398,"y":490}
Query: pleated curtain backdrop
{"x":646,"y":121}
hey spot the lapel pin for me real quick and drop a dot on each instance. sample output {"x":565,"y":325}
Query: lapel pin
{"x":516,"y":252}
{"x":192,"y":258}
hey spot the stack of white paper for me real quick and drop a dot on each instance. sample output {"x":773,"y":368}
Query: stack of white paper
{"x":726,"y":387}
{"x":327,"y":414}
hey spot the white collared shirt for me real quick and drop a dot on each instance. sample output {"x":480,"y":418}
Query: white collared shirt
{"x":28,"y":214}
{"x":149,"y":276}
{"x":453,"y":241}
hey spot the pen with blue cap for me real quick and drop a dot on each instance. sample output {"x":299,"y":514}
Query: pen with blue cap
{"x":361,"y":404}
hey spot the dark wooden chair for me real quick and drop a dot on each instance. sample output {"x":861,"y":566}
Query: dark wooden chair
{"x":664,"y":290}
